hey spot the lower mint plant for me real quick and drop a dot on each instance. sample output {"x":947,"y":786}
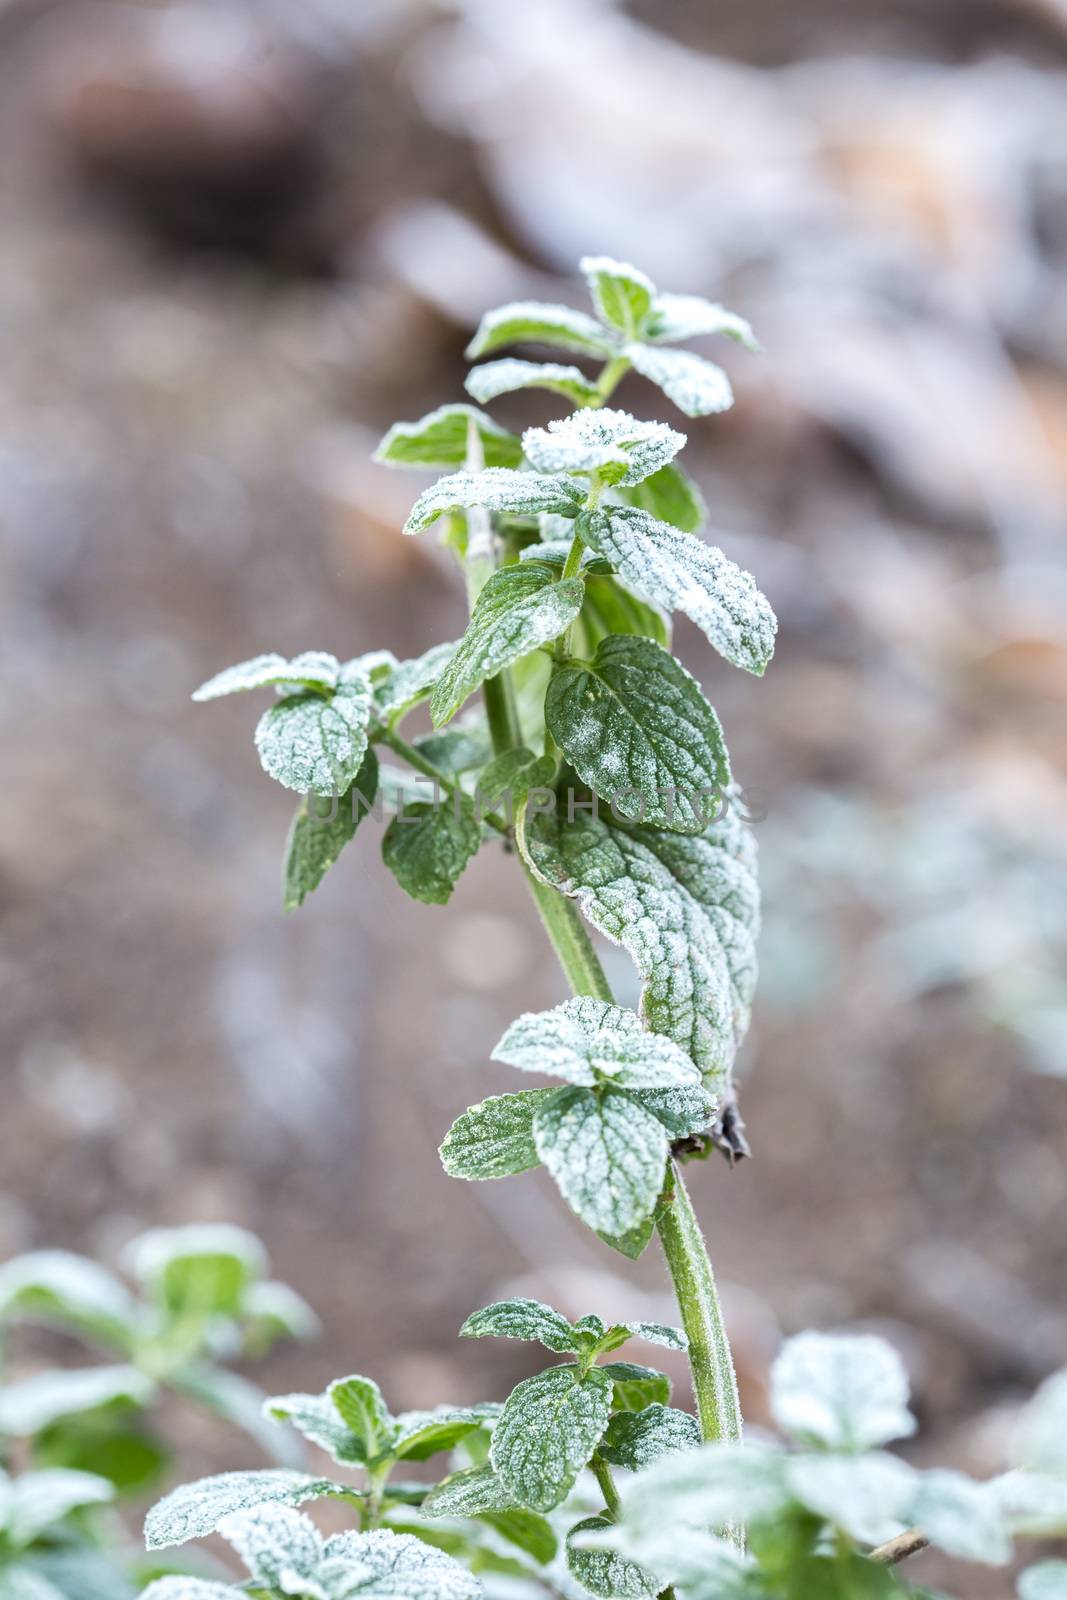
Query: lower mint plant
{"x":596,"y":760}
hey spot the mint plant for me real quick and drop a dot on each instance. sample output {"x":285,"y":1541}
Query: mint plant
{"x":596,"y":760}
{"x":203,"y":1298}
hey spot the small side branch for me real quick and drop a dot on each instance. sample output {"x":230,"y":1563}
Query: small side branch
{"x":900,"y":1548}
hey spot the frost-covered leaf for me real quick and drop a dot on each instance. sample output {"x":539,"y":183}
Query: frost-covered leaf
{"x":679,"y":317}
{"x":961,"y":1517}
{"x":637,"y":729}
{"x":520,"y":608}
{"x":622,"y":295}
{"x":504,"y":377}
{"x":68,"y":1291}
{"x":683,"y":574}
{"x":383,"y":1564}
{"x":458,"y":749}
{"x":685,"y":908}
{"x":706,"y":1566}
{"x":312,"y":669}
{"x":184,"y":1586}
{"x":275,"y":1311}
{"x":1043,"y":1428}
{"x":606,"y":1153}
{"x":275,"y":1543}
{"x":633,"y":1243}
{"x":1034,"y":1503}
{"x":637,"y":1439}
{"x":36,"y":1403}
{"x":317,"y":1418}
{"x":428,"y":846}
{"x":513,"y":773}
{"x":422,"y":1434}
{"x":589,"y":1042}
{"x":682,"y":1111}
{"x":358,"y":1402}
{"x":531,"y":322}
{"x":440,"y":439}
{"x":468,"y":1494}
{"x":869,"y":1496}
{"x":669,"y":495}
{"x":526,"y":1530}
{"x":841,"y":1391}
{"x":36,"y":1500}
{"x":708,"y":1488}
{"x":610,"y":607}
{"x":494,"y":1138}
{"x":650,"y":1332}
{"x":605,"y":1572}
{"x":526,"y":494}
{"x":521,"y":1319}
{"x":203,"y":1269}
{"x":613,"y":444}
{"x":636,"y":1387}
{"x":408,"y":682}
{"x":547,"y":1431}
{"x":78,"y":1572}
{"x":195,"y":1509}
{"x":697,"y":387}
{"x":321,"y":828}
{"x":1045,"y":1581}
{"x":315,"y":743}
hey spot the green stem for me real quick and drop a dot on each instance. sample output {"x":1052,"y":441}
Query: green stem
{"x":569,"y":939}
{"x":502,"y":713}
{"x":421,"y":763}
{"x":611,"y":376}
{"x":602,"y":1473}
{"x":714,"y":1380}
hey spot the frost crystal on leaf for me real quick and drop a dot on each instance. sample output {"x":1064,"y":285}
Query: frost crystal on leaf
{"x":526,"y":494}
{"x":637,"y":729}
{"x":607,"y":1154}
{"x":869,"y":1496}
{"x":841,"y":1391}
{"x":588,"y":1042}
{"x":547,"y":1432}
{"x":504,"y":377}
{"x":622,"y":295}
{"x":604,"y":1572}
{"x":440,"y":439}
{"x":520,"y":608}
{"x":427,"y":848}
{"x":316,"y":744}
{"x":56,"y":1286}
{"x":697,"y":387}
{"x":962,"y":1518}
{"x":195,"y":1509}
{"x":638,"y":1439}
{"x":320,"y":830}
{"x":314,"y":669}
{"x":684,"y":574}
{"x":494,"y":1138}
{"x":531,"y":322}
{"x":521,"y":1319}
{"x":676,"y":317}
{"x":612,"y":443}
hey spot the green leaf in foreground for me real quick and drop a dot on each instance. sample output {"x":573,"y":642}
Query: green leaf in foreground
{"x":547,"y":1432}
{"x":195,"y":1509}
{"x":495,"y":378}
{"x":683,"y":574}
{"x":532,"y":322}
{"x":604,"y":1572}
{"x":606,"y":1153}
{"x":525,"y":494}
{"x":314,"y":669}
{"x":637,"y":729}
{"x":494,"y":1138}
{"x":622,"y":295}
{"x":315,"y":743}
{"x":520,"y":608}
{"x":320,"y":830}
{"x":638,"y":1439}
{"x":685,"y":908}
{"x":521,"y":1319}
{"x":440,"y":440}
{"x":635,"y":1386}
{"x":841,"y":1391}
{"x":669,"y":495}
{"x":1045,"y":1581}
{"x":697,"y":387}
{"x":590,"y":1042}
{"x":612,"y":444}
{"x":428,"y":846}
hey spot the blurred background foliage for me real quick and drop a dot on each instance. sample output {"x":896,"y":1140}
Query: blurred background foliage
{"x":241,"y":239}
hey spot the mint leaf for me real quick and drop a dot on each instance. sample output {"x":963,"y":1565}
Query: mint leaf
{"x":868,"y":1496}
{"x":712,"y":1487}
{"x":685,"y":908}
{"x":669,"y":495}
{"x":606,"y":1154}
{"x":35,"y":1403}
{"x":547,"y":1431}
{"x":427,"y":848}
{"x":612,"y":444}
{"x":526,"y":1530}
{"x":634,"y":1242}
{"x":440,"y":440}
{"x":683,"y":574}
{"x":195,"y":1509}
{"x":650,"y":1332}
{"x":589,"y":1042}
{"x":840,"y":1391}
{"x":408,"y":682}
{"x":682,"y":1111}
{"x":317,"y":1418}
{"x":494,"y":1139}
{"x":315,"y":743}
{"x":521,"y":1319}
{"x":514,"y":772}
{"x":605,"y":1572}
{"x":962,"y":1517}
{"x":36,"y":1500}
{"x":520,"y":608}
{"x":419,"y":1435}
{"x":203,"y":1269}
{"x":358,"y":1402}
{"x":382,"y":1565}
{"x":68,"y":1291}
{"x":504,"y":377}
{"x":321,"y":829}
{"x":531,"y":322}
{"x":637,"y":729}
{"x":680,"y":317}
{"x":315,"y":669}
{"x":637,"y":1439}
{"x":468,"y":1494}
{"x":276,"y":1544}
{"x":636,"y":1387}
{"x":697,"y":387}
{"x":622,"y":295}
{"x":524,"y":494}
